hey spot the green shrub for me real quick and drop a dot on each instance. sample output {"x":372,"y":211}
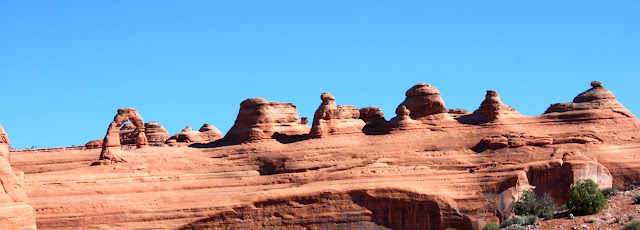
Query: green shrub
{"x":514,"y":220}
{"x":632,"y":225}
{"x":608,"y":192}
{"x":637,"y":200}
{"x":491,"y":226}
{"x":585,"y":198}
{"x":514,"y":228}
{"x":631,"y":187}
{"x":531,"y":204}
{"x":530,"y":220}
{"x":630,"y":217}
{"x":451,"y":229}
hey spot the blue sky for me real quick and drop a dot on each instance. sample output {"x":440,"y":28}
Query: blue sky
{"x":67,"y":66}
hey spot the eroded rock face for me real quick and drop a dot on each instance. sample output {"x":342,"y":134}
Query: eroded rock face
{"x":331,"y":119}
{"x":557,"y":176}
{"x":112,"y":138}
{"x":597,"y":102}
{"x":260,"y":119}
{"x":424,"y":102}
{"x":14,"y":212}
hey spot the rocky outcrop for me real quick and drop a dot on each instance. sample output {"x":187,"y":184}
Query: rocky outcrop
{"x":557,"y":176}
{"x":374,"y":120}
{"x":112,"y":138}
{"x":260,"y":119}
{"x":597,"y":102}
{"x":14,"y":212}
{"x":331,"y":119}
{"x":424,"y":102}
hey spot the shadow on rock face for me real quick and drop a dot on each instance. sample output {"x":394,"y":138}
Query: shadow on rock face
{"x":287,"y":139}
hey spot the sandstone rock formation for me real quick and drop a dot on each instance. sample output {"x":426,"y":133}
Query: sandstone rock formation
{"x":259,"y":119}
{"x":207,"y":133}
{"x":14,"y":212}
{"x":424,"y":102}
{"x":493,"y":108}
{"x":4,"y":144}
{"x":374,"y":120}
{"x":94,"y":144}
{"x":425,"y":173}
{"x":112,"y":138}
{"x":597,"y":102}
{"x":403,"y":120}
{"x":210,"y":132}
{"x":331,"y":119}
{"x":156,"y":134}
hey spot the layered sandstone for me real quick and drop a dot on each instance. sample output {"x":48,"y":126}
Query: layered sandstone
{"x":15,"y":213}
{"x":259,"y":119}
{"x":332,"y":119}
{"x":425,"y":173}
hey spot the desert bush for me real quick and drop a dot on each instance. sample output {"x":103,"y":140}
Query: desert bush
{"x":592,"y":220}
{"x":451,"y":229}
{"x":491,"y":226}
{"x":511,"y":221}
{"x":608,"y":192}
{"x":530,"y":220}
{"x":631,"y":187}
{"x":630,"y":216}
{"x":585,"y":198}
{"x":637,"y":200}
{"x":531,"y":204}
{"x":632,"y":225}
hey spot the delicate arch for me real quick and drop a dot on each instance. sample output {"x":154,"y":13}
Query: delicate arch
{"x":112,"y":138}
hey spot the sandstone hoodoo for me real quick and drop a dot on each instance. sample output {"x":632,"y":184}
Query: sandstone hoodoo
{"x":403,"y":119}
{"x":112,"y":138}
{"x":332,"y":119}
{"x":424,"y":102}
{"x":259,"y":119}
{"x":597,"y":102}
{"x":15,"y":213}
{"x":493,"y":108}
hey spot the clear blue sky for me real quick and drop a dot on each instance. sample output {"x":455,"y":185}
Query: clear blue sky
{"x":67,"y":66}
